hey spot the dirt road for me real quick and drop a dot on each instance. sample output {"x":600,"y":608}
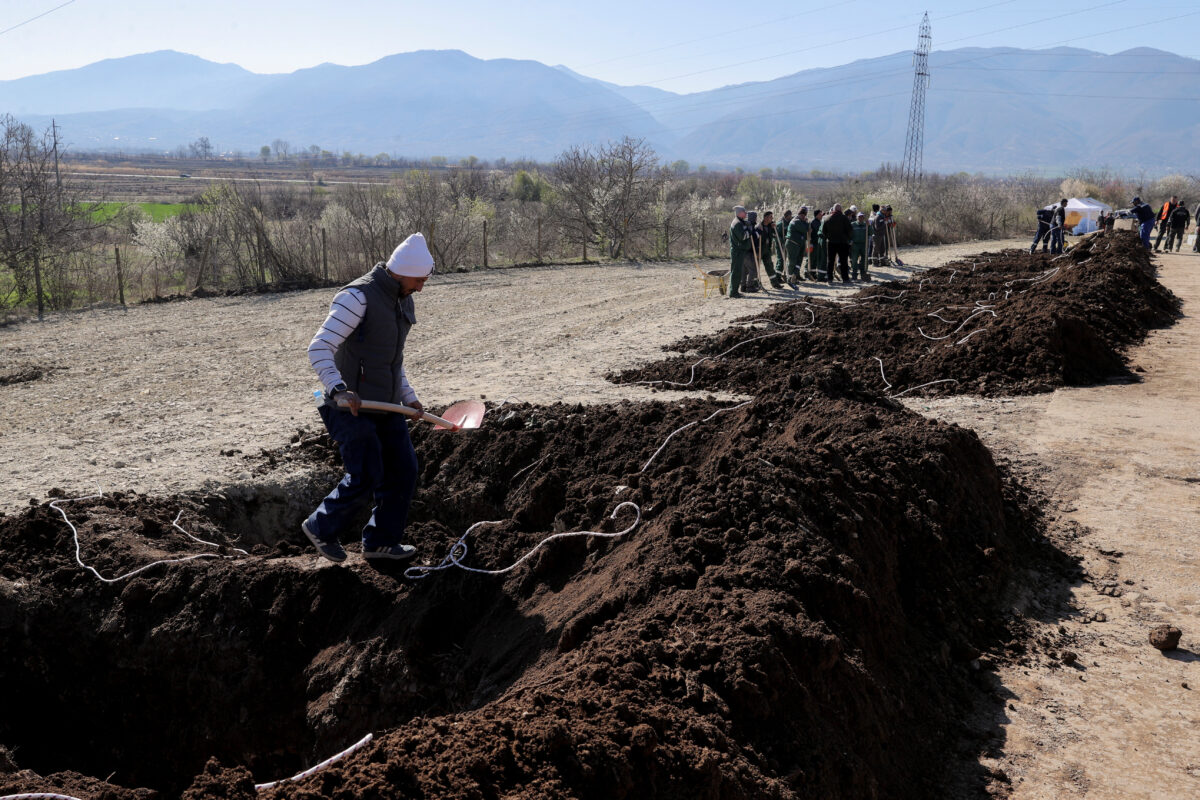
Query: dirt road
{"x":149,"y":399}
{"x":1122,"y":462}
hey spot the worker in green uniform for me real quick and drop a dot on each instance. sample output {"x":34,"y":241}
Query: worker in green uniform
{"x":816,"y":256}
{"x":740,"y":246}
{"x":770,"y":246}
{"x":797,"y":244}
{"x":858,"y":248}
{"x":781,"y":228}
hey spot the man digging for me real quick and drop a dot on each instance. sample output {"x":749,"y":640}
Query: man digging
{"x":358,"y":353}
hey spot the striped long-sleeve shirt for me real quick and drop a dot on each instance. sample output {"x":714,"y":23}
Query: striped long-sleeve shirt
{"x":345,"y":313}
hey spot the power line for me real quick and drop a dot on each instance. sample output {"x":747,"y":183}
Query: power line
{"x":39,"y":16}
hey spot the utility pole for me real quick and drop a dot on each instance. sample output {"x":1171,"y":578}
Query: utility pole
{"x":914,"y":145}
{"x":57,"y":177}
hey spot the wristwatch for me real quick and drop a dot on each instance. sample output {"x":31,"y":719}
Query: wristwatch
{"x":336,"y":390}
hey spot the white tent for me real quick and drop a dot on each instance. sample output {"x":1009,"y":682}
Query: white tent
{"x":1083,"y":213}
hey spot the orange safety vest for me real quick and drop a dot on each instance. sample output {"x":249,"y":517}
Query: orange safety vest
{"x":1166,"y":211}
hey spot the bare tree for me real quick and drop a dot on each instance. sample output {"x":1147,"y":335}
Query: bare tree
{"x":40,"y":215}
{"x":606,"y":195}
{"x":282,"y":150}
{"x":201,"y":148}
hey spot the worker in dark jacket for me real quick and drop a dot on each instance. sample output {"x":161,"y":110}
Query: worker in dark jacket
{"x":880,"y":248}
{"x":1058,"y":227}
{"x":797,"y":244}
{"x":858,"y":248}
{"x":1180,"y":218}
{"x":741,"y":247}
{"x":838,"y":233}
{"x":1043,"y":230}
{"x":358,"y":354}
{"x":1163,"y":219}
{"x":1145,"y":218}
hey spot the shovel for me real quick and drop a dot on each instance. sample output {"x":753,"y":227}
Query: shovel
{"x":463,"y":415}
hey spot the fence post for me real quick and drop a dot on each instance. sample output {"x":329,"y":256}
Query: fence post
{"x":702,"y":239}
{"x":667,"y":237}
{"x":324,"y":256}
{"x":37,"y":282}
{"x":120,"y":278}
{"x":539,"y":241}
{"x":585,"y":248}
{"x":485,"y":244}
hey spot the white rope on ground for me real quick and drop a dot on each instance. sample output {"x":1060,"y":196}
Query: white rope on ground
{"x":1045,"y":275}
{"x":460,"y":550}
{"x":939,"y":316}
{"x":969,"y":335}
{"x":933,"y":338}
{"x":922,"y":386}
{"x":79,"y":559}
{"x":666,"y":441}
{"x":973,"y":316}
{"x":38,"y":796}
{"x":692,"y":379}
{"x":175,"y":525}
{"x":885,"y":296}
{"x":885,"y":380}
{"x":953,"y":272}
{"x":299,"y":776}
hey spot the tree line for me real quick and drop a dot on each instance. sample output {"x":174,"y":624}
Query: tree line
{"x":593,"y":203}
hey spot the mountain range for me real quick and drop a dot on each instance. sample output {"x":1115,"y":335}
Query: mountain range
{"x":988,"y":110}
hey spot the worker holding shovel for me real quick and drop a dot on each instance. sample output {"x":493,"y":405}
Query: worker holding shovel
{"x":358,"y":353}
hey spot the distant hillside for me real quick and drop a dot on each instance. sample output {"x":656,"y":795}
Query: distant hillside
{"x":994,"y":110}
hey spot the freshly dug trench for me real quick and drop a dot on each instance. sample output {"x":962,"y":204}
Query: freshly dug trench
{"x":997,"y":323}
{"x":786,"y":622}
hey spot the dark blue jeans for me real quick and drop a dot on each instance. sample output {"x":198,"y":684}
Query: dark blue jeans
{"x":1043,"y":236}
{"x":381,"y":464}
{"x":1056,"y":241}
{"x":1146,"y":227}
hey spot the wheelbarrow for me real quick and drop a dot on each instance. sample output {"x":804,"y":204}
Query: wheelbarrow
{"x":714,"y":280}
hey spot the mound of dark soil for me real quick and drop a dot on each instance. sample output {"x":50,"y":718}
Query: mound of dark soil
{"x":793,"y":617}
{"x":1001,"y":323}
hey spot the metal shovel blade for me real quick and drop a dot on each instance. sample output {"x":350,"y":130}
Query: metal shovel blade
{"x":463,"y":415}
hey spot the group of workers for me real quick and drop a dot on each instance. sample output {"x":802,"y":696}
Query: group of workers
{"x":1172,"y":221}
{"x":799,"y":248}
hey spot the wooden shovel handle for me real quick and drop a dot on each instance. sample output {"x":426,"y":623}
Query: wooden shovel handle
{"x":375,"y":405}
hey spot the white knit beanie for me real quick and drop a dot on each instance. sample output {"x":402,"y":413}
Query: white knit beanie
{"x":411,"y":258}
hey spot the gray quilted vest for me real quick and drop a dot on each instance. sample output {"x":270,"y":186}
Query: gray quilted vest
{"x":372,"y":356}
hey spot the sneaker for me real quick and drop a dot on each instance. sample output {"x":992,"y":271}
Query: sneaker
{"x":396,"y":552}
{"x":327,"y":548}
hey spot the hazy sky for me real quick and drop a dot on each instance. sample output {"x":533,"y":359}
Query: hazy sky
{"x":680,"y":46}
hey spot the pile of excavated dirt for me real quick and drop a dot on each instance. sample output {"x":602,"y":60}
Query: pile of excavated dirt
{"x":999,"y":323}
{"x":798,"y":613}
{"x":794,"y":616}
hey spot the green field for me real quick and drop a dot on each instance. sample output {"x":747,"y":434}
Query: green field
{"x":157,"y":211}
